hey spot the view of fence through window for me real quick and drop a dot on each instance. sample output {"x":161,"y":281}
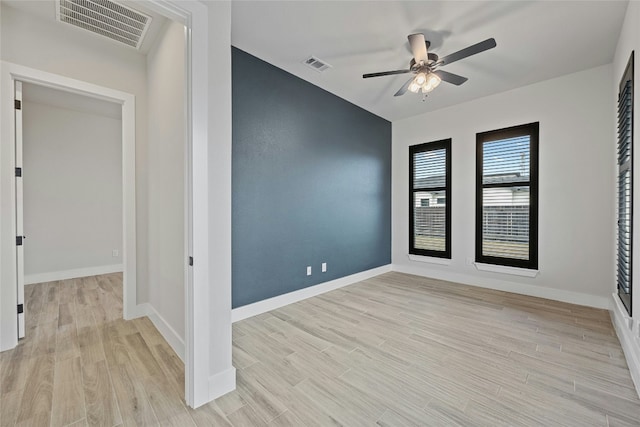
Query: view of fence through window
{"x":429,"y":211}
{"x":506,"y":197}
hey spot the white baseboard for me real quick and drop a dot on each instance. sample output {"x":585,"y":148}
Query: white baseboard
{"x":167,"y":332}
{"x":222,"y":383}
{"x":629,"y":335}
{"x":508,"y":286}
{"x":139,"y":310}
{"x":269,"y":304}
{"x":72,"y":274}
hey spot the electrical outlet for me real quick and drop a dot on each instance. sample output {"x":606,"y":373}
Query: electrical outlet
{"x":324,"y":267}
{"x":114,"y":253}
{"x":308,"y":270}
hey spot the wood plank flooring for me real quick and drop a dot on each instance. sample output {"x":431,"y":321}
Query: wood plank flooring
{"x":81,"y":364}
{"x":395,"y":350}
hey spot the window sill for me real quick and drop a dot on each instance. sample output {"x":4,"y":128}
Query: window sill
{"x":430,"y":259}
{"x":524,"y":272}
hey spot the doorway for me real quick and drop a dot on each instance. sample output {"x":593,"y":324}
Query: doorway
{"x":68,"y":190}
{"x":89,"y":96}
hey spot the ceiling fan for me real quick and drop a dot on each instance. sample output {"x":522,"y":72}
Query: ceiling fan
{"x":425,"y":65}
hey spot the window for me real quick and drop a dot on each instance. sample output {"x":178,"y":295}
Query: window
{"x":429,"y":190}
{"x":507,"y":197}
{"x":625,"y":184}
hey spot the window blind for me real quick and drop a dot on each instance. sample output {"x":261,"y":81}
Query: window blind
{"x":625,"y":186}
{"x":505,"y":208}
{"x":506,"y":233}
{"x":430,"y":213}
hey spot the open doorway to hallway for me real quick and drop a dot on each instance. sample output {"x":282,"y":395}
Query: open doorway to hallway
{"x":71,"y":203}
{"x":71,"y":178}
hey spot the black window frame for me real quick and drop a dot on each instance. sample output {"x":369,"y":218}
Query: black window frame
{"x":626,"y":298}
{"x":533,"y":130}
{"x":421,"y":148}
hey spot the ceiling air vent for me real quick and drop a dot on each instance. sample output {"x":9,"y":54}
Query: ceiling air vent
{"x":316,"y":64}
{"x":105,"y":17}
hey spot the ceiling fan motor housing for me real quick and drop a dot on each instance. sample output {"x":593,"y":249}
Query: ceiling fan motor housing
{"x":433,"y":58}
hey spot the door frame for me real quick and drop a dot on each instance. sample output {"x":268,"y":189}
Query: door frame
{"x":199,"y":387}
{"x":12,"y":73}
{"x":19,"y":189}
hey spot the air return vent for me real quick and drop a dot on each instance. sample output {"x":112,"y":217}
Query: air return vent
{"x":316,"y":64}
{"x":105,"y":17}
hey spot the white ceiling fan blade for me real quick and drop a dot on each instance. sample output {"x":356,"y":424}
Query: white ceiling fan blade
{"x":419,"y":48}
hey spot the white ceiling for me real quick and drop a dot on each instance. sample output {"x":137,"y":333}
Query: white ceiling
{"x":536,"y":41}
{"x":45,"y":9}
{"x":70,"y":101}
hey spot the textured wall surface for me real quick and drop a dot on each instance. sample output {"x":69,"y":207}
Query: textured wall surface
{"x":311,"y":184}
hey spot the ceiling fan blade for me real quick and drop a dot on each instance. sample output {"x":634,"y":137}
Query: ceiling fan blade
{"x":450,"y":77}
{"x":385,"y":73}
{"x":418,"y":47}
{"x":468,"y":51}
{"x":404,"y":88}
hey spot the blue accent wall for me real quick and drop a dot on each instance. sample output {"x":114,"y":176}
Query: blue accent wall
{"x":311,"y":183}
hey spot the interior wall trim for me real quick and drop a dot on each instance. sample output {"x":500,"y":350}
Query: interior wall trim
{"x":72,"y":274}
{"x":628,"y":331}
{"x":168,"y":333}
{"x":509,"y":286}
{"x":222,"y":383}
{"x":269,"y":304}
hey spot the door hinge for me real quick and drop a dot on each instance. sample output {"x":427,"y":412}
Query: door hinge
{"x":19,"y":240}
{"x":20,"y":308}
{"x":18,"y":104}
{"x":18,"y":172}
{"x":191,"y":261}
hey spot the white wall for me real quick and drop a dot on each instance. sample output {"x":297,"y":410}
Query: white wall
{"x":222,"y":375}
{"x":628,"y":329}
{"x":166,"y":151}
{"x":72,"y":190}
{"x":576,"y":115}
{"x":48,"y":46}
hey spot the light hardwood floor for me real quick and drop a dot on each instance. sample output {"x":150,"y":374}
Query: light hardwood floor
{"x":395,"y":350}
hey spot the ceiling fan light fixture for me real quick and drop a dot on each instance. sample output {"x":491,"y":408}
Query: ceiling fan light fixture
{"x":420,"y":79}
{"x":432,"y":81}
{"x":414,"y":87}
{"x":424,"y":82}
